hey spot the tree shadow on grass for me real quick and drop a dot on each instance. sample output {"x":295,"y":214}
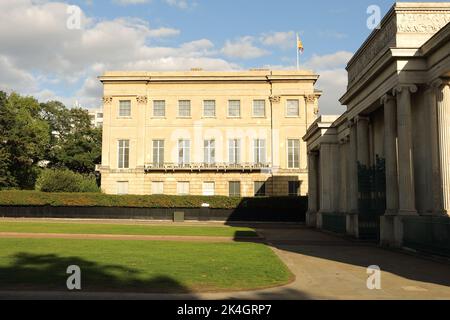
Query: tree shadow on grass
{"x":48,"y":272}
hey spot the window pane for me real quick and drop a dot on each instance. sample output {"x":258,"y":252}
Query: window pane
{"x":292,"y":108}
{"x":158,"y":151}
{"x":294,"y":187}
{"x":184,"y":108}
{"x":260,"y":189}
{"x":125,"y":108}
{"x":184,"y":150}
{"x":259,"y":108}
{"x":259,"y":151}
{"x":124,"y":154}
{"x":159,"y":108}
{"x":234,"y":108}
{"x":208,"y":188}
{"x":235,"y":188}
{"x":294,"y":154}
{"x":183,"y":188}
{"x":209,"y":108}
{"x":234,"y":151}
{"x":157,"y":187}
{"x":209,"y":151}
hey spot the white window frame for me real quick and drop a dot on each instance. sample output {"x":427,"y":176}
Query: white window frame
{"x":209,"y":151}
{"x":158,"y":151}
{"x":234,"y":151}
{"x":287,"y":109}
{"x":259,"y":151}
{"x":264,"y":110}
{"x":229,"y":109}
{"x":128,"y":115}
{"x":204,"y":108}
{"x":126,"y":187}
{"x":123,"y":161}
{"x":179,"y":109}
{"x":229,"y":188}
{"x":293,"y":154}
{"x":184,"y":147}
{"x":157,"y":187}
{"x":183,"y":188}
{"x":207,"y":190}
{"x":155,"y":102}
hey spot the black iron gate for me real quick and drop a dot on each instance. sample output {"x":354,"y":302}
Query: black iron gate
{"x":371,"y":198}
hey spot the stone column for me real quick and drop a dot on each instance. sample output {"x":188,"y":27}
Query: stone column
{"x":432,"y":93}
{"x":390,"y":145}
{"x":407,"y":197}
{"x":312,"y":189}
{"x":362,"y":124}
{"x":443,"y":119}
{"x":352,"y":180}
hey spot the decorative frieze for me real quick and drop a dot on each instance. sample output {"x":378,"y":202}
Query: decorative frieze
{"x":107,"y":99}
{"x":275,"y":99}
{"x":430,"y":22}
{"x":142,"y":99}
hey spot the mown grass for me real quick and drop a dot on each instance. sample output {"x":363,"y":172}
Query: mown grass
{"x":139,"y":266}
{"x":123,"y":229}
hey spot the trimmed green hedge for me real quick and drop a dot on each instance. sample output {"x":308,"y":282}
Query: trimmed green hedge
{"x":35,"y":198}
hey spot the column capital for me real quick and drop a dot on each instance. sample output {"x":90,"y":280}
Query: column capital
{"x":313,"y":153}
{"x":344,"y":140}
{"x":107,"y":99}
{"x":439,"y":83}
{"x":411,"y":88}
{"x":142,"y":99}
{"x":359,"y":118}
{"x":386,"y":98}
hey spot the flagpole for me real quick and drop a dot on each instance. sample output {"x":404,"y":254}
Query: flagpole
{"x":298,"y":54}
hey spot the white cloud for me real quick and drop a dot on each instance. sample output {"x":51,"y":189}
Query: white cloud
{"x":181,"y":4}
{"x":37,"y":48}
{"x":333,"y":79}
{"x":243,"y":48}
{"x":283,"y":40}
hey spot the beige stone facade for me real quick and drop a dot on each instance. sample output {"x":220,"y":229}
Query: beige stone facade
{"x":397,"y":123}
{"x":202,"y":132}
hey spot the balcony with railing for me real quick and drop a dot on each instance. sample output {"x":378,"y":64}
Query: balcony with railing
{"x":207,"y":167}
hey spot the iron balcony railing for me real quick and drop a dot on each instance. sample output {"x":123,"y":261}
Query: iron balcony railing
{"x":222,"y":167}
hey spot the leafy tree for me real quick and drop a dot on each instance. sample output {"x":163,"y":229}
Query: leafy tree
{"x":76,"y":144}
{"x":24,"y":138}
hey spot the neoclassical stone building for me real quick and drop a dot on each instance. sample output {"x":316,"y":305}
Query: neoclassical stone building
{"x":207,"y":133}
{"x":382,"y":169}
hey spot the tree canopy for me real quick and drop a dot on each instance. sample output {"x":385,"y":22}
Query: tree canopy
{"x":34,"y":135}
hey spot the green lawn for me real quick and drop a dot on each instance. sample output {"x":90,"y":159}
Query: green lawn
{"x":139,"y":266}
{"x":119,"y":229}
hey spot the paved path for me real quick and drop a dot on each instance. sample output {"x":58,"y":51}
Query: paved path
{"x":325,"y":266}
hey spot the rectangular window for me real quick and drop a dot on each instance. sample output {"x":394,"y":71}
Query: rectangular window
{"x":184,"y":152}
{"x":209,"y":108}
{"x":294,"y":188}
{"x":157,"y":187}
{"x":234,"y":151}
{"x":159,"y":108}
{"x":158,"y":152}
{"x":293,"y":154}
{"x":292,"y":108}
{"x":260,"y":189}
{"x":125,"y":108}
{"x":234,"y":108}
{"x":209,"y":151}
{"x":100,"y":115}
{"x":259,"y":151}
{"x":235,"y":189}
{"x":183,"y":188}
{"x":208,"y":188}
{"x":259,"y":108}
{"x":124,"y":154}
{"x":122,"y":187}
{"x":184,"y":108}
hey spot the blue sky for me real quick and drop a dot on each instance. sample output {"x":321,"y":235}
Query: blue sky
{"x":39,"y":55}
